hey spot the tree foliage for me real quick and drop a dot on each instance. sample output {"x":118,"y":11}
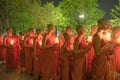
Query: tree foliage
{"x":23,"y":14}
{"x":115,"y":14}
{"x":72,"y":9}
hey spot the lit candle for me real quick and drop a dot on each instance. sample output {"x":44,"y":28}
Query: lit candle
{"x":89,"y":39}
{"x":12,"y":42}
{"x":118,"y":40}
{"x":107,"y":37}
{"x":56,"y":40}
{"x":40,"y":43}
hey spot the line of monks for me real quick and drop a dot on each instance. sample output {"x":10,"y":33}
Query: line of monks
{"x":64,"y":57}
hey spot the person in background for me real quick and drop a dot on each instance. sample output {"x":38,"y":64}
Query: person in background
{"x":2,"y":50}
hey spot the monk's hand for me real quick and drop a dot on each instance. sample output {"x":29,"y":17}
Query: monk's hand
{"x":109,"y":45}
{"x":55,"y":45}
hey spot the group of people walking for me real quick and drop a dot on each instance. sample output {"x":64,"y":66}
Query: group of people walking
{"x":65,"y":57}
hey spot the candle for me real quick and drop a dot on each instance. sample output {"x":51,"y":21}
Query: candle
{"x":40,"y":43}
{"x":89,"y":39}
{"x":107,"y":36}
{"x":118,"y":40}
{"x":31,"y":41}
{"x":56,"y":40}
{"x":12,"y":42}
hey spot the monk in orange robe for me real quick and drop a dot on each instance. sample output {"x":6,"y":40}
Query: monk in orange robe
{"x":37,"y":59}
{"x":65,"y":53}
{"x":50,"y":60}
{"x":12,"y":50}
{"x":2,"y":49}
{"x":22,"y":52}
{"x":116,"y":40}
{"x":80,"y":49}
{"x":102,"y":66}
{"x":90,"y":55}
{"x":29,"y":51}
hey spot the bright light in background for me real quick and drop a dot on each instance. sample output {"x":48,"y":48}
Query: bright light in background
{"x":82,"y":16}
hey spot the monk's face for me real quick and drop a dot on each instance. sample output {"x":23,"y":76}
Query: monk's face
{"x":69,"y":31}
{"x":9,"y":31}
{"x":93,"y":29}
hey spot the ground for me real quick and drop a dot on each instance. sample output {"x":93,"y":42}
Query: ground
{"x":15,"y":75}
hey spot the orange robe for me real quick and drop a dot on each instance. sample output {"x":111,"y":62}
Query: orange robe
{"x":65,"y":63}
{"x":12,"y":53}
{"x":102,"y":66}
{"x":29,"y":56}
{"x":2,"y":51}
{"x":37,"y":67}
{"x":50,"y":61}
{"x":79,"y":63}
{"x":89,"y":58}
{"x":117,"y":59}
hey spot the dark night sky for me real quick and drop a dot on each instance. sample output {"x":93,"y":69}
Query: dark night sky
{"x":105,"y":5}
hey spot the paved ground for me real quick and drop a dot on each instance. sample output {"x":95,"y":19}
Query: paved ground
{"x":16,"y":75}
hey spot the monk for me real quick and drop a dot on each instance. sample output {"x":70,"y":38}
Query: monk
{"x":65,"y":53}
{"x":38,"y":53}
{"x":80,"y":49}
{"x":2,"y":50}
{"x":116,"y":40}
{"x":90,"y":55}
{"x":12,"y":50}
{"x":50,"y":60}
{"x":29,"y":50}
{"x":102,"y":66}
{"x":22,"y":52}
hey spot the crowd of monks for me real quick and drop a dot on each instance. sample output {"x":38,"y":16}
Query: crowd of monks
{"x":64,"y":57}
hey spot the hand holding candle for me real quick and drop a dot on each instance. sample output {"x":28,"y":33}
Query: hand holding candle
{"x":89,"y":39}
{"x":107,"y":36}
{"x":56,"y":40}
{"x":118,"y":40}
{"x":40,"y":43}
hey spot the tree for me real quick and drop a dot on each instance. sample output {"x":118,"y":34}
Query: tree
{"x":72,"y":9}
{"x":115,"y":14}
{"x":49,"y":14}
